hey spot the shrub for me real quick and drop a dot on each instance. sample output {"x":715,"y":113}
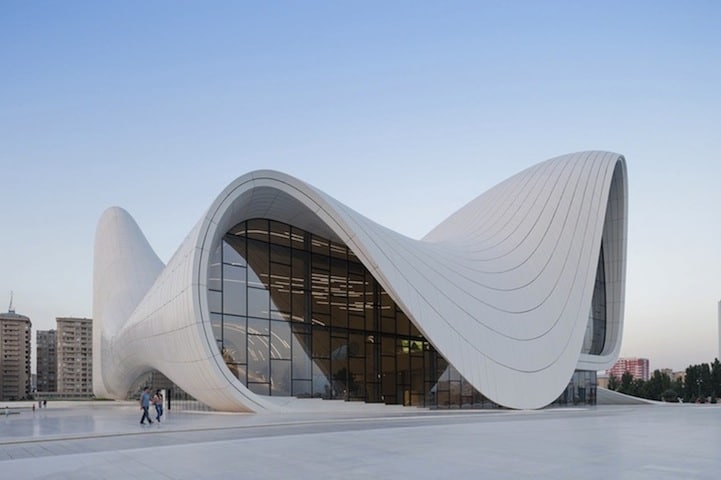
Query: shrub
{"x":669,"y":396}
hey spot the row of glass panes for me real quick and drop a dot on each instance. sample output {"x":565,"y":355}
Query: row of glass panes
{"x":277,"y":233}
{"x":240,"y":298}
{"x":278,"y":277}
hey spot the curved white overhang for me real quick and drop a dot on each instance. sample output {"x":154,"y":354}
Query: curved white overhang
{"x":502,"y":288}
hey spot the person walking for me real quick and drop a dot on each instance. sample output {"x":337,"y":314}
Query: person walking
{"x":158,"y":402}
{"x":145,"y":405}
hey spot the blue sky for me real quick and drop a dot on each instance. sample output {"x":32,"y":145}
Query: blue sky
{"x":403,"y":110}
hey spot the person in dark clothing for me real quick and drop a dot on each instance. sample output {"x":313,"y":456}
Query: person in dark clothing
{"x":145,"y":405}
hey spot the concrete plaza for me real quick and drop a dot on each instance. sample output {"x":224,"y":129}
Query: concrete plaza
{"x":104,"y":440}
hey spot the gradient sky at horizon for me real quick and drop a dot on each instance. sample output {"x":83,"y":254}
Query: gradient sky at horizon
{"x":403,"y":110}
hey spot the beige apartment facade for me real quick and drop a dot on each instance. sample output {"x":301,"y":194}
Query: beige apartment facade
{"x":74,"y":350}
{"x":15,"y":337}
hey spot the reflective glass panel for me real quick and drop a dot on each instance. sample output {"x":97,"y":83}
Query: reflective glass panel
{"x":216,"y":321}
{"x":258,"y":326}
{"x":280,"y":341}
{"x":301,"y":353}
{"x":321,"y":343}
{"x":234,"y":339}
{"x":215,"y":301}
{"x":234,"y":291}
{"x":321,"y":378}
{"x":297,"y":314}
{"x":280,"y":289}
{"x":258,"y":229}
{"x":302,"y":388}
{"x":280,"y":233}
{"x":215,"y":272}
{"x":258,"y":359}
{"x":258,"y":303}
{"x":259,"y":388}
{"x":280,"y":377}
{"x":234,"y":251}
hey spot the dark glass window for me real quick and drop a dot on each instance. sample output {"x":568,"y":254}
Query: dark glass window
{"x":280,"y":295}
{"x":258,"y":229}
{"x":216,"y":321}
{"x":234,"y":339}
{"x":321,"y":378}
{"x":258,"y":303}
{"x":234,"y":251}
{"x":595,"y":337}
{"x":258,"y":326}
{"x":297,"y":238}
{"x":258,"y":359}
{"x":215,"y":272}
{"x":215,"y":301}
{"x":294,"y":313}
{"x":234,"y":290}
{"x":258,"y":261}
{"x":281,"y":383}
{"x":301,"y":356}
{"x":280,"y":340}
{"x":259,"y":388}
{"x":280,"y":234}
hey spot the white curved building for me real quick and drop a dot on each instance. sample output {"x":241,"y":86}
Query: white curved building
{"x":282,"y":290}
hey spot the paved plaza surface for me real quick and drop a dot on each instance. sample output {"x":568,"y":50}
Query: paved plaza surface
{"x":88,"y":440}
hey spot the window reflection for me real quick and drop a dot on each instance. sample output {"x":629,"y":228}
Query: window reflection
{"x":297,"y":314}
{"x":595,"y":338}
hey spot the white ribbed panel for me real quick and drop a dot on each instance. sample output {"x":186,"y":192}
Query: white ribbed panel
{"x":502,"y":288}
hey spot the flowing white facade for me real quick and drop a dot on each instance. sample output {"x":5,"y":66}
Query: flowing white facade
{"x":505,"y":289}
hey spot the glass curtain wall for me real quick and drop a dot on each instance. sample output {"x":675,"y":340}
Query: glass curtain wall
{"x":581,"y":390}
{"x":595,"y":337}
{"x":295,"y":314}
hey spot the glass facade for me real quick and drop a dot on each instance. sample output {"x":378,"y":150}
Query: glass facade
{"x":296,"y":314}
{"x":595,"y":338}
{"x":581,"y":390}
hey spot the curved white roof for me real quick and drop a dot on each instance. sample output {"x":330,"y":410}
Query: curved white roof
{"x":502,"y":288}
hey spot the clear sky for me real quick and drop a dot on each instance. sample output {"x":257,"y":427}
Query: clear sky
{"x":403,"y":110}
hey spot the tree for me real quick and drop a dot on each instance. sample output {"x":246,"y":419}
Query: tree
{"x":612,"y":382}
{"x":716,"y":378}
{"x":670,"y":395}
{"x":690,"y":384}
{"x":677,"y":385}
{"x":706,"y":384}
{"x":700,"y":382}
{"x":656,"y":385}
{"x":626,"y":383}
{"x":638,"y":388}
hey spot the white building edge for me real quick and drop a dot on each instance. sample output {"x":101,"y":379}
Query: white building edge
{"x":502,"y":289}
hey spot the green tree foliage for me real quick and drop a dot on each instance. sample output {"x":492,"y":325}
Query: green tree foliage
{"x":691,"y":383}
{"x":716,"y":378}
{"x":678,"y":386}
{"x":701,"y":382}
{"x":670,"y":395}
{"x":706,"y":387}
{"x":626,"y":384}
{"x":656,"y":385}
{"x":613,"y":382}
{"x":698,"y":384}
